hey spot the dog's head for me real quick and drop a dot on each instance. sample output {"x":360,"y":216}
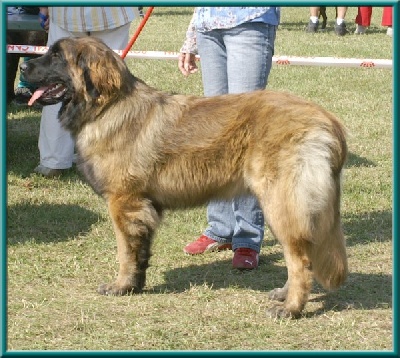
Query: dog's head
{"x":82,"y":69}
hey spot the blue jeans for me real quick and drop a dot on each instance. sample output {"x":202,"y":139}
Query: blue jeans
{"x":234,"y":61}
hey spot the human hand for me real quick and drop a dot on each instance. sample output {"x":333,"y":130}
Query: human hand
{"x":44,"y":18}
{"x":187,"y":63}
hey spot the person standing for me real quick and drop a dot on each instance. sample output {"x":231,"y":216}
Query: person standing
{"x":363,"y":19}
{"x":387,"y":19}
{"x":110,"y":24}
{"x":236,"y":45}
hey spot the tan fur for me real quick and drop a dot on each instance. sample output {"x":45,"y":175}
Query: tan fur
{"x":144,"y":150}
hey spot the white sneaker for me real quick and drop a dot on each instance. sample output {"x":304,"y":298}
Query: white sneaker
{"x":389,"y":31}
{"x":360,"y":30}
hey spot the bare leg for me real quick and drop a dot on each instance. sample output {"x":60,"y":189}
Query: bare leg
{"x":341,"y":12}
{"x":314,"y":11}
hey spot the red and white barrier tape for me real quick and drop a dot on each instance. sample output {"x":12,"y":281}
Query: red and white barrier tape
{"x":279,"y":60}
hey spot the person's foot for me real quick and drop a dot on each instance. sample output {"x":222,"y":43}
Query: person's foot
{"x":312,"y":27}
{"x":48,"y":172}
{"x":389,"y":32}
{"x":205,"y":244}
{"x":360,"y":30}
{"x":340,"y":30}
{"x":245,"y":259}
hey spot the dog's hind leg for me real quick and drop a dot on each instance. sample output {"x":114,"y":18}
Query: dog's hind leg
{"x":134,"y":221}
{"x":282,"y":222}
{"x":301,"y":206}
{"x":294,"y":295}
{"x":314,"y":246}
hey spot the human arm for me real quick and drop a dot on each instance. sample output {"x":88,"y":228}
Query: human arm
{"x":187,"y":56}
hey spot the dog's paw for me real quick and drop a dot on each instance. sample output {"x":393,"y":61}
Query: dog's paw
{"x":113,"y":289}
{"x":279,"y":311}
{"x":277,"y":294}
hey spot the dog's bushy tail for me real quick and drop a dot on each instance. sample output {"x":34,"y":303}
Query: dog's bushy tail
{"x":299,"y":189}
{"x":302,"y":204}
{"x":317,"y":195}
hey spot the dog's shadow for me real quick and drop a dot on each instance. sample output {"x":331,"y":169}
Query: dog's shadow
{"x":356,"y":161}
{"x":360,"y":291}
{"x":49,"y":222}
{"x":365,"y":227}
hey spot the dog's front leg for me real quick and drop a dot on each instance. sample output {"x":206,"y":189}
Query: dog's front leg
{"x":134,"y":220}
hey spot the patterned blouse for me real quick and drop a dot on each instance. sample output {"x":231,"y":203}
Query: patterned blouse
{"x":87,"y":19}
{"x":210,"y":18}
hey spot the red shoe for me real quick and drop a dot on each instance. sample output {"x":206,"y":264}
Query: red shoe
{"x":204,"y":244}
{"x":245,"y":259}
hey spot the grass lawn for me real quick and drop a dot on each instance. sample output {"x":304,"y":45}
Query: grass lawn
{"x":61,"y":245}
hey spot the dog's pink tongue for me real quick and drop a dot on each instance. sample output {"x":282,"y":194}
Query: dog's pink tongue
{"x":36,"y":95}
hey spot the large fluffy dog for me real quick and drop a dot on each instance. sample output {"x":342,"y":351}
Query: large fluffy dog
{"x":144,"y":151}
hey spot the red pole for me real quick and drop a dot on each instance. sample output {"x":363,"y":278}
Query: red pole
{"x":137,"y":32}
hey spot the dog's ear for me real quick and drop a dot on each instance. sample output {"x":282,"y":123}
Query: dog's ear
{"x":91,"y":90}
{"x":101,"y":71}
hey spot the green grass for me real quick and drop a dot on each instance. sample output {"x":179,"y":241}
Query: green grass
{"x":61,"y":245}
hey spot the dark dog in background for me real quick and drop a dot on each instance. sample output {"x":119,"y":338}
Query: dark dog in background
{"x":21,"y":37}
{"x":144,"y":151}
{"x":322,"y":13}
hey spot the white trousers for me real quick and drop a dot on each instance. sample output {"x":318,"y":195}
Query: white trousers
{"x":56,"y":146}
